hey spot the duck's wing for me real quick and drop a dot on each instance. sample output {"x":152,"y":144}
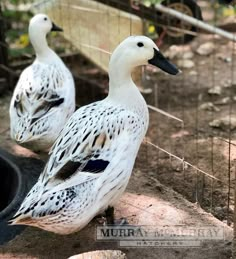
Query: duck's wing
{"x":87,"y":145}
{"x":38,"y":91}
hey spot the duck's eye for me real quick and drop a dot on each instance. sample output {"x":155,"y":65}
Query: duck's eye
{"x":45,"y":19}
{"x":140,"y":44}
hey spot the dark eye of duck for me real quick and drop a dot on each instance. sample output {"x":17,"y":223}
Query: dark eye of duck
{"x":45,"y":19}
{"x":140,"y":44}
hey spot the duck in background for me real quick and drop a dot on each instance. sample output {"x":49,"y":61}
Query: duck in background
{"x":44,"y":97}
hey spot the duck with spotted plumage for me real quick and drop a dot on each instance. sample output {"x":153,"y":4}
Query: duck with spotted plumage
{"x":44,"y":97}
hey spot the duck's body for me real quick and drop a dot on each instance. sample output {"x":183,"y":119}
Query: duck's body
{"x":91,"y":162}
{"x":44,"y":97}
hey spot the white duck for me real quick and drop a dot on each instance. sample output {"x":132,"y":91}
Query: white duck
{"x":44,"y":97}
{"x":92,"y":159}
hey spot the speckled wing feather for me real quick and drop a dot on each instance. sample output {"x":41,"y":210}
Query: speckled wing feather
{"x":38,"y":91}
{"x":87,"y":144}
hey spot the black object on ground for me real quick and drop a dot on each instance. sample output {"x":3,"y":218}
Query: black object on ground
{"x":17,"y":176}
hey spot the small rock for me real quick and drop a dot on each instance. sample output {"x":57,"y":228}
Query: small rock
{"x":202,"y":62}
{"x":228,"y":59}
{"x":222,"y":57}
{"x":227,"y":83}
{"x":216,"y":90}
{"x":209,"y":107}
{"x":223,"y":101}
{"x":179,"y":51}
{"x":179,"y":166}
{"x":193,"y":73}
{"x":185,"y":63}
{"x":218,"y":210}
{"x":145,"y":90}
{"x":172,"y":52}
{"x":180,"y":134}
{"x":205,"y":49}
{"x":187,"y":55}
{"x":224,"y":123}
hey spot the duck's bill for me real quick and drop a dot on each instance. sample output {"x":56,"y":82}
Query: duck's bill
{"x":160,"y":61}
{"x":55,"y":27}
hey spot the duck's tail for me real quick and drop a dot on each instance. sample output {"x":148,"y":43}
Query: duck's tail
{"x":24,"y":214}
{"x":21,"y":219}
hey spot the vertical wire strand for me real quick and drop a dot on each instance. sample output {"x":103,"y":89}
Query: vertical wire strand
{"x":156,"y":104}
{"x":168,"y":107}
{"x":196,"y":85}
{"x":98,"y":40}
{"x":156,"y":115}
{"x":212,"y":114}
{"x":230,"y":131}
{"x":143,"y":86}
{"x":183,"y":83}
{"x":119,"y":22}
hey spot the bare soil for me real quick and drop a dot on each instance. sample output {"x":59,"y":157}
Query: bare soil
{"x":194,"y":139}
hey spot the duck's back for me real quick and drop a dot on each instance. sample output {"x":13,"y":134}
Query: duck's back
{"x":43,"y":100}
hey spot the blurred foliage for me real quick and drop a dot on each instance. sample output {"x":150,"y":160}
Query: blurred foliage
{"x":17,"y":2}
{"x":228,"y":11}
{"x":17,"y":31}
{"x":223,"y":12}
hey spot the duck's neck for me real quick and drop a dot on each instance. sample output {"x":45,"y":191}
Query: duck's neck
{"x":122,"y":89}
{"x":119,"y":79}
{"x":40,"y":45}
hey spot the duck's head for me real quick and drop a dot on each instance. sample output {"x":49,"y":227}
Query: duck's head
{"x":140,"y":50}
{"x":42,"y":23}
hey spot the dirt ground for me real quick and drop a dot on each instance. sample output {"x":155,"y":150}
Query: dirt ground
{"x":187,"y":97}
{"x":146,"y":202}
{"x":155,"y":204}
